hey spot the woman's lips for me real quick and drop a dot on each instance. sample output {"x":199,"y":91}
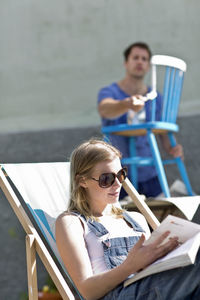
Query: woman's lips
{"x":114,"y":194}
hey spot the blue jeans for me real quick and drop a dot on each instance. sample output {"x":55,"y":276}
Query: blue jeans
{"x":176,"y":284}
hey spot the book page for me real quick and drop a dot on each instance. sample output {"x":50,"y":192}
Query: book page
{"x":179,"y":227}
{"x":183,"y":255}
{"x":182,"y":249}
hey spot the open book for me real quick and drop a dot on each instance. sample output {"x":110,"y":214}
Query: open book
{"x":185,"y":254}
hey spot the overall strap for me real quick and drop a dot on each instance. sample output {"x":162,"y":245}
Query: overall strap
{"x":97,"y":228}
{"x":133,"y":223}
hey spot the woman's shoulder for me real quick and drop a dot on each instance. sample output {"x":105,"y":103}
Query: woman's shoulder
{"x":69,"y":219}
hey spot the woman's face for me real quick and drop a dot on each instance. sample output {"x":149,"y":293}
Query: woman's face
{"x":100,"y":197}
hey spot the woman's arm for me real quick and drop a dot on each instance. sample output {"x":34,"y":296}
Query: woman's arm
{"x":72,"y":248}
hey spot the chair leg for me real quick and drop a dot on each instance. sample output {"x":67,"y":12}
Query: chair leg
{"x":31,"y":267}
{"x":181,"y":167}
{"x":158,"y":164}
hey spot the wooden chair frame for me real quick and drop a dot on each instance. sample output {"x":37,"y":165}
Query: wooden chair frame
{"x":35,"y":244}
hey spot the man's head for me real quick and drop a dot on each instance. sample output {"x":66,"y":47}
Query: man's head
{"x":137,"y":60}
{"x":141,"y":45}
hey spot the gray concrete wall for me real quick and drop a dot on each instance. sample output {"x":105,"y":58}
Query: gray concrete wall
{"x":55,"y":55}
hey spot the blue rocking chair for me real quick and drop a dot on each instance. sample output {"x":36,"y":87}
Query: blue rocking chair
{"x":173,"y":80}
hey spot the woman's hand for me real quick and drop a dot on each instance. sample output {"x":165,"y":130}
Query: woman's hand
{"x":140,"y":256}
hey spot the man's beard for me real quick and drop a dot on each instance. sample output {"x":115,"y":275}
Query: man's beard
{"x":138,"y":76}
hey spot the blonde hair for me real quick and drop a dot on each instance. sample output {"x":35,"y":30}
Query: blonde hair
{"x":83,"y":159}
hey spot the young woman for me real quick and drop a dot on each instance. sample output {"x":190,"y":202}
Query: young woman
{"x":101,"y":245}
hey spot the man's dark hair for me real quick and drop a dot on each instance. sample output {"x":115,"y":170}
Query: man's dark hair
{"x":142,"y":45}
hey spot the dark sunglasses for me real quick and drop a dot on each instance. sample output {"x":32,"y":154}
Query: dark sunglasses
{"x":107,"y":179}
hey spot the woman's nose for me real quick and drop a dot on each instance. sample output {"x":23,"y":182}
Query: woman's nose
{"x":117,"y":182}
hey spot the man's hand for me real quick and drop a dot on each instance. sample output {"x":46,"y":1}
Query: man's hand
{"x":136,"y":103}
{"x":177,"y":151}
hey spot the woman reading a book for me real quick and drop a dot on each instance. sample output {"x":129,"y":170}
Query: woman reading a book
{"x":102,"y":245}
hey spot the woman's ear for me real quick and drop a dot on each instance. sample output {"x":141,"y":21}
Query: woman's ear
{"x":82,"y":182}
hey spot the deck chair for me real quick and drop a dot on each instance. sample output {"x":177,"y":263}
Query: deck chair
{"x":187,"y":207}
{"x":174,"y":69}
{"x":38,"y":193}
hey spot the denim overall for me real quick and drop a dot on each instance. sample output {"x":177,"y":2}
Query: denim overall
{"x":176,"y":284}
{"x":115,"y":249}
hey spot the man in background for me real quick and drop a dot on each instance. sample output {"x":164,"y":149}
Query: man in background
{"x":121,"y":102}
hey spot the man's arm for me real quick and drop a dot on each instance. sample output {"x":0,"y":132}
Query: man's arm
{"x":110,"y":108}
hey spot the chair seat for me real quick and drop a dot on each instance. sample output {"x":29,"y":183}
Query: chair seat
{"x":140,"y":129}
